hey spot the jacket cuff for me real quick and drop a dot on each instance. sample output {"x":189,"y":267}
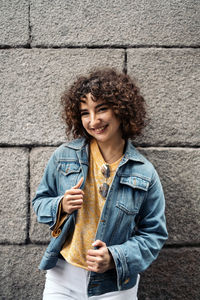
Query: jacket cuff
{"x":121,"y":266}
{"x":60,"y":220}
{"x":54,"y":210}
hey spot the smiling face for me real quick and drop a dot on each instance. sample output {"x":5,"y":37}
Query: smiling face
{"x":99,"y":120}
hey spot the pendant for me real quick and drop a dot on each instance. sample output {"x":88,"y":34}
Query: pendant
{"x":105,"y":170}
{"x":103,"y":189}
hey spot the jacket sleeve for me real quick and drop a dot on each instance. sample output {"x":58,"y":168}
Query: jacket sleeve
{"x":46,"y":201}
{"x":137,"y":253}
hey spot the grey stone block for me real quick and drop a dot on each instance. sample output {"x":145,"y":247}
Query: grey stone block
{"x":14,"y":23}
{"x":38,"y":160}
{"x":13,"y":194}
{"x":61,"y":23}
{"x":19,"y":276}
{"x":31,"y":84}
{"x":169,"y":81}
{"x":179,"y":171}
{"x":174,"y":275}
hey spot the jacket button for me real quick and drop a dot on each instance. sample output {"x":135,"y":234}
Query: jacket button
{"x":127,"y":281}
{"x":103,"y":221}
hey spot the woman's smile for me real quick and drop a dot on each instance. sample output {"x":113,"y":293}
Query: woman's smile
{"x":100,"y":130}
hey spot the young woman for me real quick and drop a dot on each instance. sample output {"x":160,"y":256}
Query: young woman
{"x":101,"y":198}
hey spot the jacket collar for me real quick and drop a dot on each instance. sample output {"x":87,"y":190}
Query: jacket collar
{"x":131,"y":153}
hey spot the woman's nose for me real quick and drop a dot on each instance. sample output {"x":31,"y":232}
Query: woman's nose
{"x":93,"y":120}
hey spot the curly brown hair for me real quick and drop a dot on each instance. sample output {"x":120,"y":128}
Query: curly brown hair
{"x":117,"y":89}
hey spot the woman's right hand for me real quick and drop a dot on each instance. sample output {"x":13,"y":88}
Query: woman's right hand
{"x":73,"y":198}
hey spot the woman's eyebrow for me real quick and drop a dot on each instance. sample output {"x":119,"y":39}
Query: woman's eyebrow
{"x":96,"y":107}
{"x":101,"y":104}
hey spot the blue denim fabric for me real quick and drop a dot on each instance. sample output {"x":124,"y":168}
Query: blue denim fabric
{"x":132,"y":223}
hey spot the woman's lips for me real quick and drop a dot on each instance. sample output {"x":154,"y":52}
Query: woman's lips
{"x":99,"y":129}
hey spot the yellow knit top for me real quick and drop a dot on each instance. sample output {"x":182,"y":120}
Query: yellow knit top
{"x":75,"y":248}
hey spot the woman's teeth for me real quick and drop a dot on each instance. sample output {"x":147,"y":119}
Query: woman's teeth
{"x":98,"y":130}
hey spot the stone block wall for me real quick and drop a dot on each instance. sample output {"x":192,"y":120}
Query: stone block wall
{"x":44,"y":45}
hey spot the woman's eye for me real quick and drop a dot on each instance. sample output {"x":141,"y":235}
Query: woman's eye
{"x":84,"y":113}
{"x":103,"y":108}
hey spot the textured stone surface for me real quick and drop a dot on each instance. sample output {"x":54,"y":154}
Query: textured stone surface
{"x":31,"y":84}
{"x":179,"y":171}
{"x":13,"y":194}
{"x":169,"y":80}
{"x":103,"y":22}
{"x":174,"y":276}
{"x":19,"y":276}
{"x":14,"y":22}
{"x":38,"y":160}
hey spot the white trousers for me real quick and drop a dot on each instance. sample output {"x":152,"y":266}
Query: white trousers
{"x":66,"y":281}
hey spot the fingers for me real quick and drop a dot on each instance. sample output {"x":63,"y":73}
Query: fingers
{"x":78,"y":185}
{"x":71,"y":209}
{"x":71,"y":205}
{"x":74,"y":192}
{"x":75,"y":203}
{"x":73,"y":198}
{"x":75,"y":189}
{"x":100,"y":249}
{"x":99,"y":260}
{"x":99,"y":244}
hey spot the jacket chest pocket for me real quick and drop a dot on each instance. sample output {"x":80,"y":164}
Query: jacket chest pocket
{"x":134,"y":190}
{"x":69,"y":173}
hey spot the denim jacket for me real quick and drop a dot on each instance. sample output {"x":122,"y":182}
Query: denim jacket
{"x":132,"y":223}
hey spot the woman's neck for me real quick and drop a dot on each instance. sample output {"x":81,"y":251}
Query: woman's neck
{"x":112,"y":152}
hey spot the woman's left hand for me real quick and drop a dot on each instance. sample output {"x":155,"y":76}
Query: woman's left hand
{"x":99,"y":260}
